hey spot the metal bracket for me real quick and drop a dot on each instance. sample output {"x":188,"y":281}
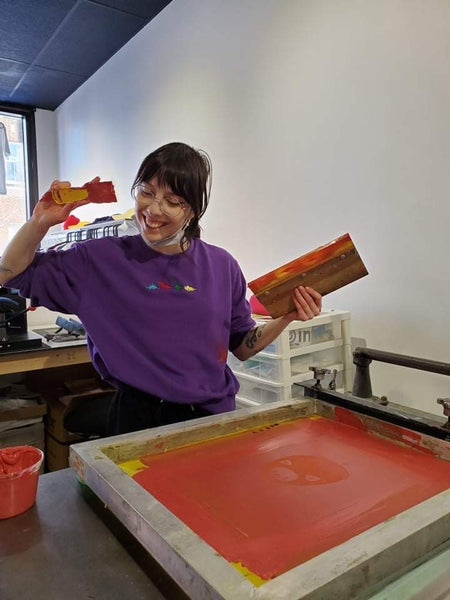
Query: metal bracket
{"x":319,"y":374}
{"x":332,"y":384}
{"x":446,"y":404}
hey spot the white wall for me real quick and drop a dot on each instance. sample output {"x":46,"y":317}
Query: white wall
{"x":47,"y":148}
{"x":321,"y":117}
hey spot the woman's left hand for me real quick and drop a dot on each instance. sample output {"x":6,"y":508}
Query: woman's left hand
{"x":308,"y":304}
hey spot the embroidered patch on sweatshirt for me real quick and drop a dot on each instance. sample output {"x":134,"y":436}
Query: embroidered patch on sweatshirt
{"x":173,"y":285}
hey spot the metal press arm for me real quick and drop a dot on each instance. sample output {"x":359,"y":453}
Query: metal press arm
{"x":362,"y":357}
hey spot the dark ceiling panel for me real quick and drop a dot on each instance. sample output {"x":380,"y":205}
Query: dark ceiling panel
{"x":26,"y":25}
{"x":45,"y":88}
{"x":48,"y":48}
{"x":91,"y":35}
{"x":10,"y":74}
{"x":143,"y":8}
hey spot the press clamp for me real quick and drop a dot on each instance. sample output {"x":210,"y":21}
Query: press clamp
{"x":319,"y":374}
{"x":446,"y":404}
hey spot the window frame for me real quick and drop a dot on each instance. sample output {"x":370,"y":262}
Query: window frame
{"x":31,"y":174}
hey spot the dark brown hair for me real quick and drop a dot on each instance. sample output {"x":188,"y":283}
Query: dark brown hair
{"x":187,"y":172}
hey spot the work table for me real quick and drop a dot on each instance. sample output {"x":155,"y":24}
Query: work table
{"x":68,"y":546}
{"x":42,"y":358}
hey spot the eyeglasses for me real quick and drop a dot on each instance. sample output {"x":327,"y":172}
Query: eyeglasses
{"x":169,"y":205}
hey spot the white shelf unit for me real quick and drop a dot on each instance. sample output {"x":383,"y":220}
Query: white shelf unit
{"x":270,"y":375}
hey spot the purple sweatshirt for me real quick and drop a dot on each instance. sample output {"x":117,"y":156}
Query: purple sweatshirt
{"x":160,"y":323}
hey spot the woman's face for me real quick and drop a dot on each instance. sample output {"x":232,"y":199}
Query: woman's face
{"x":159,"y":212}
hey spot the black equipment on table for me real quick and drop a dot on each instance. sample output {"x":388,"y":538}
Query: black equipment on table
{"x":14,"y":336}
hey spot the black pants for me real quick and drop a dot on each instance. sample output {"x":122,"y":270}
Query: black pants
{"x":132,"y":410}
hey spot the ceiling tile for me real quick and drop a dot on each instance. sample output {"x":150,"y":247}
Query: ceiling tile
{"x":91,"y":35}
{"x":45,"y":88}
{"x":26,"y":25}
{"x":72,"y":38}
{"x":10,"y":74}
{"x":143,"y":8}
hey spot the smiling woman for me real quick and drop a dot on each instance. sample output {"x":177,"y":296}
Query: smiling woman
{"x":18,"y":188}
{"x":162,"y":216}
{"x":178,"y":304}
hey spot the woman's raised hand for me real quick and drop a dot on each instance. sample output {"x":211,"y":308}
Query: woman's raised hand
{"x":48,"y":213}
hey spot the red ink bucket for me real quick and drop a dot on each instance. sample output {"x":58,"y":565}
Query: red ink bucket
{"x":19,"y":473}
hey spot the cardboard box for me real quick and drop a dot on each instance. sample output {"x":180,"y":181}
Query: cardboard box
{"x":56,"y":454}
{"x":93,"y":402}
{"x":25,"y":412}
{"x":57,"y":408}
{"x":30,"y":435}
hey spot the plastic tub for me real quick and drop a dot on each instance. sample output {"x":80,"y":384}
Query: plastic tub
{"x":19,"y":473}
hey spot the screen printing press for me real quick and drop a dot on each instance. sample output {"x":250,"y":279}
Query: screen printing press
{"x":332,"y":496}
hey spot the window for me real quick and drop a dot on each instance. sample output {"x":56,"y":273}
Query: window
{"x":15,"y":174}
{"x":18,"y":179}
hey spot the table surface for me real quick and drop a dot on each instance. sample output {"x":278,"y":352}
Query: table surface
{"x":69,"y":546}
{"x":42,"y":358}
{"x":64,"y":548}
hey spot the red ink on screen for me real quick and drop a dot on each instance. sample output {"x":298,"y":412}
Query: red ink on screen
{"x":272,"y":499}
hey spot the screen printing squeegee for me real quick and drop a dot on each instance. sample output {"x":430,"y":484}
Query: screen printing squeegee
{"x":325,"y":269}
{"x":97,"y":192}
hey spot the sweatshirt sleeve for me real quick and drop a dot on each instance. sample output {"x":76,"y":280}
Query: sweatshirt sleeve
{"x":55,"y":279}
{"x":241,"y":319}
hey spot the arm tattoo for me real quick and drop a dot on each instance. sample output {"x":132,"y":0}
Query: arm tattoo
{"x":4,"y":269}
{"x":252,"y":336}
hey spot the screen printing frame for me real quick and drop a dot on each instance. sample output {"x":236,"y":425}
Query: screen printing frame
{"x":341,"y":572}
